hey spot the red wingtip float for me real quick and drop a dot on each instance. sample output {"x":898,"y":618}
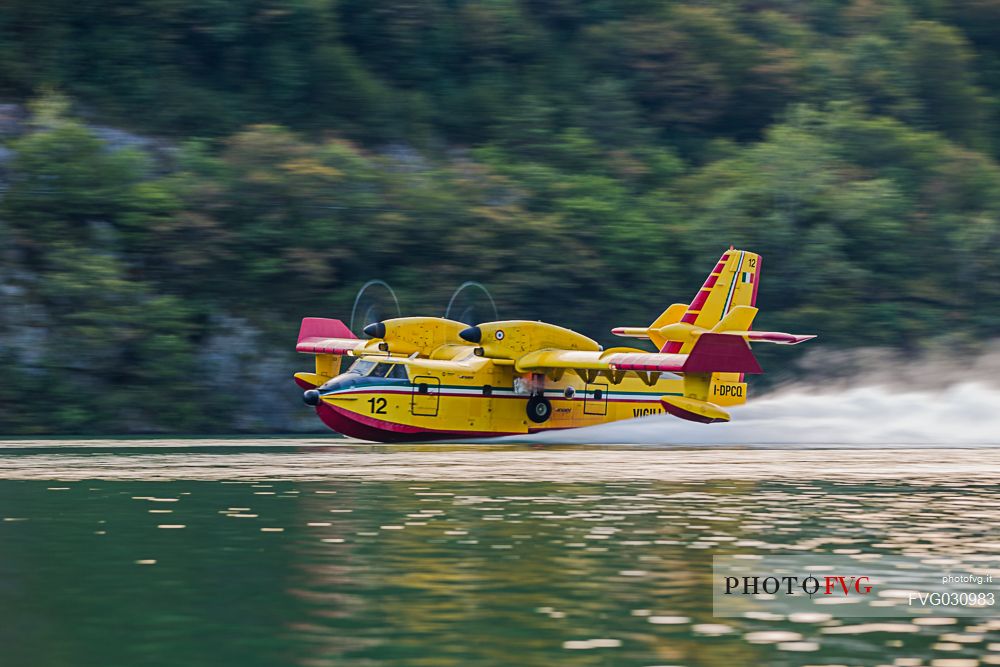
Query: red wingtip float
{"x":426,"y":378}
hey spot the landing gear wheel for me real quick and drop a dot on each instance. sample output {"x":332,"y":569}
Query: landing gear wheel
{"x":539,"y":409}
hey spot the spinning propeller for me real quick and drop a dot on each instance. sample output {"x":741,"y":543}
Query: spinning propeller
{"x":375,"y":301}
{"x":470,"y":304}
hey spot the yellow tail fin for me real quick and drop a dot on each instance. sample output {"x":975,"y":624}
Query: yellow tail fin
{"x":733,"y":282}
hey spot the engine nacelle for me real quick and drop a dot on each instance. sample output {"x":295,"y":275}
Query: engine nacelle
{"x":512,"y":339}
{"x":406,"y":335}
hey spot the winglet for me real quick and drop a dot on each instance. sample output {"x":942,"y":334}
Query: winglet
{"x":739,"y":318}
{"x":322,"y":327}
{"x":319,"y":335}
{"x":327,"y":339}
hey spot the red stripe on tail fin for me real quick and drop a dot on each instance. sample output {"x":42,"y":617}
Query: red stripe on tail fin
{"x":699,"y":300}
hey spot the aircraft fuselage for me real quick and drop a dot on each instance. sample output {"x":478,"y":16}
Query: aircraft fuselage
{"x":488,"y":399}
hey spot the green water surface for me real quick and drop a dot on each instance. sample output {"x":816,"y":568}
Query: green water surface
{"x":446,"y":572}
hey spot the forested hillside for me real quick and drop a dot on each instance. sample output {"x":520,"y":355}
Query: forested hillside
{"x":182,"y":180}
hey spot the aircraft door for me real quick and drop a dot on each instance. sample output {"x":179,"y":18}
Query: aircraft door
{"x":595,"y":399}
{"x":425,"y":396}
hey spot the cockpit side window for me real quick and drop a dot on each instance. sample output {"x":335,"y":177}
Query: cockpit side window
{"x":381,"y":370}
{"x":398,"y":371}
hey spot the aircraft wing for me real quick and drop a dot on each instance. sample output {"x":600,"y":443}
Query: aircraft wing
{"x":713,"y":353}
{"x":319,"y":335}
{"x":429,"y":364}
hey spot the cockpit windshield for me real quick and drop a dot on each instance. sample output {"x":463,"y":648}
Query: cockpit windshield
{"x":377,"y":370}
{"x":362,"y":367}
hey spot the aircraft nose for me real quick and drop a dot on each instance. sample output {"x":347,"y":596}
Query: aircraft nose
{"x":375,"y":330}
{"x":472,"y":334}
{"x":311,"y":397}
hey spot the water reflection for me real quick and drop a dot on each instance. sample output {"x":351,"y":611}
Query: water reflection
{"x":370,"y":569}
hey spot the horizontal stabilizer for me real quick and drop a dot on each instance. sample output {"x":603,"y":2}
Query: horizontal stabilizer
{"x":670,"y":316}
{"x":778,"y":337}
{"x":736,"y":323}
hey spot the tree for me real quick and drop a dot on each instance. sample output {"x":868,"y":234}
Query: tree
{"x":941,"y":61}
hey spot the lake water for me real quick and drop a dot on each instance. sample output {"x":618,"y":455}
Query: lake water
{"x":314,"y":552}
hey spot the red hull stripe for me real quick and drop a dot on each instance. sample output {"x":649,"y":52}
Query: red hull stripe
{"x":366,"y":428}
{"x":359,"y":426}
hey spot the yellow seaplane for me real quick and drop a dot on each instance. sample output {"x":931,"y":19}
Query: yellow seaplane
{"x":430,"y":378}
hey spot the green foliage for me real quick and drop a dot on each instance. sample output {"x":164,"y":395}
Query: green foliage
{"x":64,"y":183}
{"x":116,"y":357}
{"x":583,"y":159}
{"x":940,"y":57}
